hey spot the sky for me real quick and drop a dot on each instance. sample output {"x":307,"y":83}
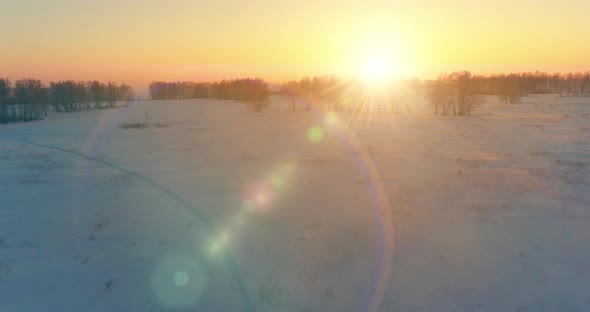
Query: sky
{"x":136,"y":41}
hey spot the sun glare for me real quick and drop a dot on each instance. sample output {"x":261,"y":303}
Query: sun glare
{"x":380,"y":64}
{"x":377,"y":69}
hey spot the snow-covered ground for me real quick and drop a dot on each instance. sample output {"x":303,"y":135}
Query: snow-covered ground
{"x":213,"y":208}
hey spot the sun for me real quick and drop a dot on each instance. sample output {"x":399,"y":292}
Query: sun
{"x":377,"y":69}
{"x":380,"y":58}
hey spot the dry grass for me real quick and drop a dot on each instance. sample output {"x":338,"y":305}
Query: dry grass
{"x":141,"y":125}
{"x":134,"y":125}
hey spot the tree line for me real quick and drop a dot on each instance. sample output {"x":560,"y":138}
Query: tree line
{"x":511,"y":87}
{"x":72,"y":96}
{"x":330,"y":93}
{"x":521,"y":84}
{"x":325,"y":92}
{"x":30,"y":99}
{"x":251,"y":91}
{"x":459,"y":92}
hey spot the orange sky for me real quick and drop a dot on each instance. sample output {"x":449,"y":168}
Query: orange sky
{"x":139,"y":41}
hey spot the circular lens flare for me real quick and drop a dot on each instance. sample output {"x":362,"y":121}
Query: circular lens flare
{"x":315,"y":134}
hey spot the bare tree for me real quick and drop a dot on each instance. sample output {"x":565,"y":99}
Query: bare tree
{"x":456,"y":93}
{"x":28,"y":98}
{"x":5,"y":90}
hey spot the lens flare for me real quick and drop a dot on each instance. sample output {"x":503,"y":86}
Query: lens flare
{"x":330,"y":118}
{"x":276,"y":181}
{"x":315,"y":134}
{"x":178,"y":282}
{"x":219,"y":243}
{"x":181,"y":278}
{"x":262,"y":200}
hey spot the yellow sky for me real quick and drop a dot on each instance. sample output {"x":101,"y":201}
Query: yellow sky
{"x":139,"y":41}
